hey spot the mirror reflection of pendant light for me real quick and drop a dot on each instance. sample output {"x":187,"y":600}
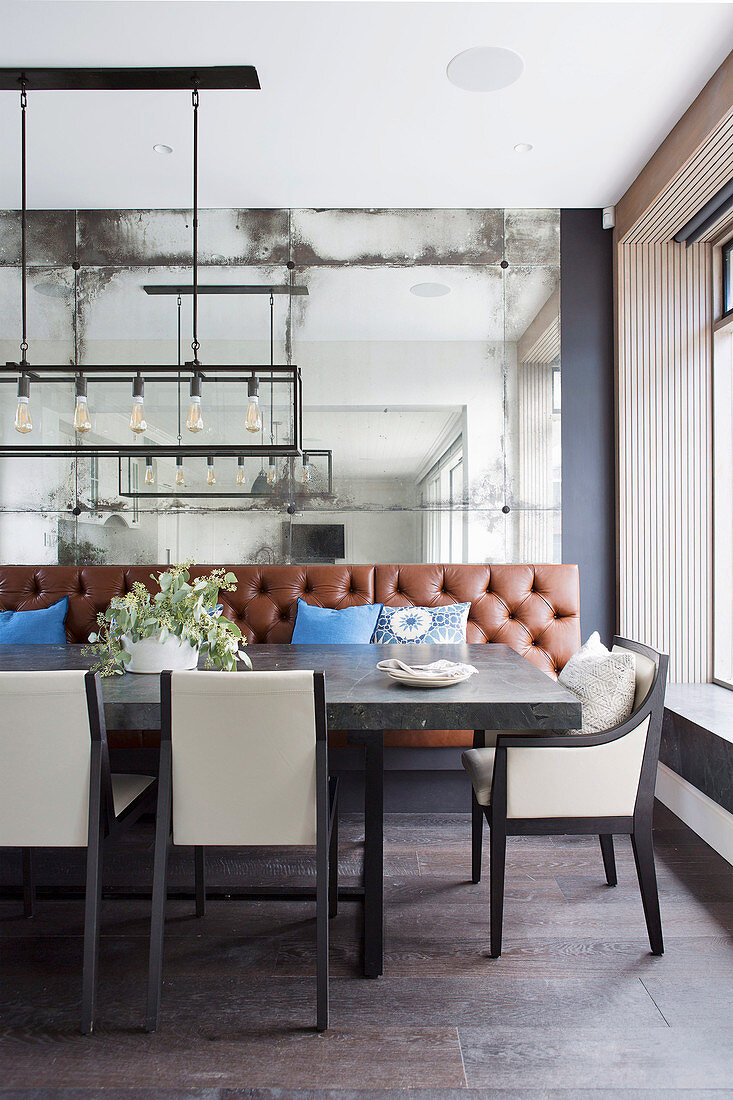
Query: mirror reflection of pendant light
{"x":305,"y":470}
{"x":149,"y":472}
{"x":210,"y":473}
{"x":271,"y":471}
{"x":240,"y":470}
{"x":180,"y":479}
{"x":23,"y":419}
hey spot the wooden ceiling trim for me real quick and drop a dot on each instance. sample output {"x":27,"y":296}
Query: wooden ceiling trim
{"x":704,"y":174}
{"x":707,"y":118}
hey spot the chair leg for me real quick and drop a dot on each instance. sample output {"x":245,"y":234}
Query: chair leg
{"x":199,"y":857}
{"x":92,"y":906}
{"x":497,"y":849}
{"x":643,"y":846}
{"x":29,"y":886}
{"x":160,"y":890}
{"x":477,"y":837}
{"x":609,"y":859}
{"x":333,"y":867}
{"x":322,"y":905}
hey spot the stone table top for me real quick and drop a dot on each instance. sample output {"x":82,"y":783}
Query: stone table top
{"x":508,"y":692}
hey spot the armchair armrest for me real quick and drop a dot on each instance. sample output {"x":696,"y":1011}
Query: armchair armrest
{"x":573,"y":740}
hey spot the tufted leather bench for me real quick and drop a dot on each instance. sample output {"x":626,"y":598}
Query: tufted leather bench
{"x":532,"y":608}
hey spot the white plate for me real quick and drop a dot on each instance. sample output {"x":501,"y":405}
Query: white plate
{"x":413,"y":681}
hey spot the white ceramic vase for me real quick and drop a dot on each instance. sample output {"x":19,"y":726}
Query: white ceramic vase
{"x":150,"y":655}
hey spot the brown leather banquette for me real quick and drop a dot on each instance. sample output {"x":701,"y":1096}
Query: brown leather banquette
{"x":532,"y":608}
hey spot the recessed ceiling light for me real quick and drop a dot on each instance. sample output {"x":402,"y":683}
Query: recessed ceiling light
{"x":429,"y":290}
{"x":485,"y":69}
{"x":162,"y":148}
{"x":523,"y":147}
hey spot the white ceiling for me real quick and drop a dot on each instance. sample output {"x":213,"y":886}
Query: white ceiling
{"x":355,"y":108}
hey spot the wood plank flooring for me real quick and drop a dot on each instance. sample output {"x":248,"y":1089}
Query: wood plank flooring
{"x":575,"y":1008}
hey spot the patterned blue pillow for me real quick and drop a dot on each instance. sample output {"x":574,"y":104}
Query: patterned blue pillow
{"x":422,"y":624}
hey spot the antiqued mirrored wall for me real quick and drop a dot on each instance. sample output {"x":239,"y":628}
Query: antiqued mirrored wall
{"x":428,"y":345}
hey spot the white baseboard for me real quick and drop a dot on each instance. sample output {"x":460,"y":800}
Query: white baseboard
{"x":705,"y":817}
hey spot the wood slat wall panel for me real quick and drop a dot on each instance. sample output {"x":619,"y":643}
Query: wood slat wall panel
{"x":664,"y":393}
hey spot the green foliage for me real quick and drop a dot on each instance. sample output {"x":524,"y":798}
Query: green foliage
{"x":184,"y":608}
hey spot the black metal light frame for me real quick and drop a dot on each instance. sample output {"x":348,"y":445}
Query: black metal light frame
{"x":127,"y":79}
{"x":155,"y":289}
{"x":301,"y":491}
{"x":207,"y":77}
{"x":225,"y":373}
{"x":278,"y":493}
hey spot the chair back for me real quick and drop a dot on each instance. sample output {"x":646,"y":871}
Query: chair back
{"x":45,"y":759}
{"x":243,"y":755}
{"x":651,"y":686}
{"x":612,"y":774}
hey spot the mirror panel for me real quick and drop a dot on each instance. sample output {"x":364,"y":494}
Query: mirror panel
{"x":429,"y":347}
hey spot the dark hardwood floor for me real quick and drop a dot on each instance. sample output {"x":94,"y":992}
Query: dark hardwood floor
{"x":576,"y":1006}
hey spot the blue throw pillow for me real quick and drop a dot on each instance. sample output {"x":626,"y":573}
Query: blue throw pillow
{"x":422,"y":624}
{"x":42,"y":627}
{"x":325,"y":626}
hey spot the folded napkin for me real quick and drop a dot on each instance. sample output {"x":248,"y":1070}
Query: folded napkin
{"x":438,"y":670}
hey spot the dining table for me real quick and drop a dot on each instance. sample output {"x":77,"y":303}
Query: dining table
{"x":507,"y":692}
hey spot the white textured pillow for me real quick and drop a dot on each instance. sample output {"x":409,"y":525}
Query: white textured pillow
{"x":604,"y":682}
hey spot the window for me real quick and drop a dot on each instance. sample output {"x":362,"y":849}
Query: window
{"x":723,"y":493}
{"x":442,"y":491}
{"x":728,"y":277}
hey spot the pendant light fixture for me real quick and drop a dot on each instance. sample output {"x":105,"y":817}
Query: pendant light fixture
{"x":82,"y":420}
{"x":240,"y":471}
{"x":138,"y":423}
{"x":253,"y":418}
{"x":285,"y":381}
{"x":23,"y":419}
{"x":195,"y":420}
{"x":210,"y":472}
{"x":149,"y":472}
{"x":305,"y":470}
{"x":180,"y":479}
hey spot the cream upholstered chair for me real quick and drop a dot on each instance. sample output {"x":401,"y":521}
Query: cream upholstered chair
{"x":244,"y":761}
{"x":57,"y":791}
{"x":600,"y":783}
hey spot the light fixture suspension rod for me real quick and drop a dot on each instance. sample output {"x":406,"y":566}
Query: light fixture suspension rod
{"x":23,"y":219}
{"x":272,"y":361}
{"x":178,"y":359}
{"x":195,"y":342}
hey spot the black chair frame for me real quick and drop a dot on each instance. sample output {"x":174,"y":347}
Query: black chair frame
{"x":104,"y":825}
{"x":638,"y":825}
{"x":326,"y":858}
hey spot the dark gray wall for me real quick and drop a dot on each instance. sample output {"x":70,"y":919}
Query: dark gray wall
{"x":588,"y":436}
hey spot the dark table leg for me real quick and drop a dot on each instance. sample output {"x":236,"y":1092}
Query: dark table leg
{"x":373,"y":855}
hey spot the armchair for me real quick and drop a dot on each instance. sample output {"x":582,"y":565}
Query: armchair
{"x":600,"y":783}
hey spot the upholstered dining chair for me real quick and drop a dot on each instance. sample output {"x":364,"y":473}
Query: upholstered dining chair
{"x":244,"y":761}
{"x":57,"y":790}
{"x":600,"y":783}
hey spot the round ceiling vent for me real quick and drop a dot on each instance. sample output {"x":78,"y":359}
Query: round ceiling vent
{"x":485,"y":69}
